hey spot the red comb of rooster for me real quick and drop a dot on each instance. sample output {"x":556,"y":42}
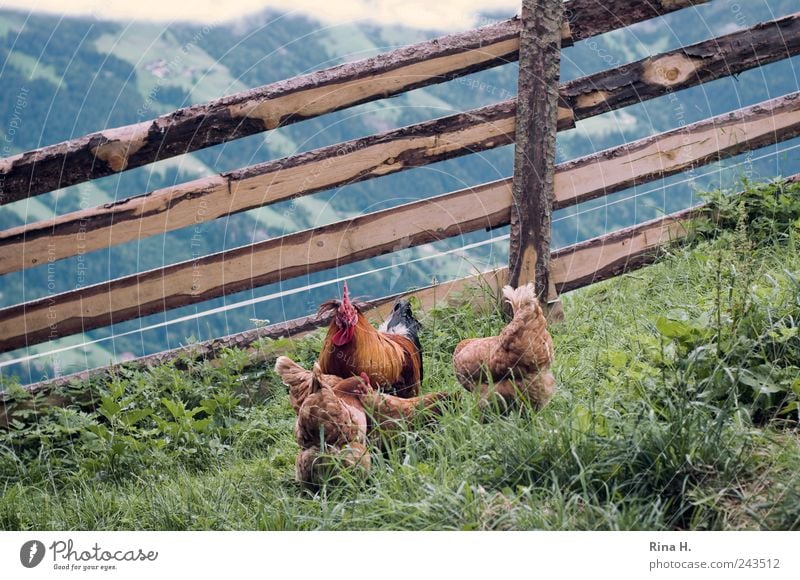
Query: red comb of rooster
{"x":346,"y":295}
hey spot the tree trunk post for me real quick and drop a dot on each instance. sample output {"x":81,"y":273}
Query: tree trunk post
{"x":535,"y":151}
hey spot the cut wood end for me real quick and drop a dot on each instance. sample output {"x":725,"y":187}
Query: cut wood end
{"x":565,"y":114}
{"x":669,"y":70}
{"x":7,"y":164}
{"x":566,"y":34}
{"x":589,"y":100}
{"x":267,"y":112}
{"x":121,"y":144}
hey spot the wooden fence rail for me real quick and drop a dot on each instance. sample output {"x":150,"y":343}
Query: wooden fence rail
{"x":374,"y":156}
{"x":367,"y":236}
{"x":189,"y":129}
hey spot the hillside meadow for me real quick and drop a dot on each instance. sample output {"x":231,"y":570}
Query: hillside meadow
{"x":677,"y":408}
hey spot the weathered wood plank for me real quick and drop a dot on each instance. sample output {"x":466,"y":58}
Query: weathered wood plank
{"x":361,"y":159}
{"x":668,"y":153}
{"x":281,"y":103}
{"x":682,"y":68}
{"x":592,"y":17}
{"x":206,"y":199}
{"x":535,"y":149}
{"x":608,"y":256}
{"x":247,"y":267}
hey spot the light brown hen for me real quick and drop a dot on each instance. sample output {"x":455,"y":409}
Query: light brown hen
{"x":331,"y":427}
{"x":516,"y":363}
{"x":299,"y":380}
{"x":313,"y":467}
{"x":332,"y":415}
{"x":382,"y":410}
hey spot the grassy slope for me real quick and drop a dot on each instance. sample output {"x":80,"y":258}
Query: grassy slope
{"x":644,"y":432}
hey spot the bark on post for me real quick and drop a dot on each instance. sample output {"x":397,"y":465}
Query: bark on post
{"x":534,"y":157}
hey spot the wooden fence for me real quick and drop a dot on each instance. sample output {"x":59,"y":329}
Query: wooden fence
{"x":484,"y":206}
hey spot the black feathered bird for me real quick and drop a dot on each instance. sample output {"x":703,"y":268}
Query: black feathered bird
{"x":402,"y":322}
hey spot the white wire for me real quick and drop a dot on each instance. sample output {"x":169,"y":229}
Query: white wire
{"x":681,"y":182}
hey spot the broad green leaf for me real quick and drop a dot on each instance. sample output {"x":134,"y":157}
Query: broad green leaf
{"x":109,"y":408}
{"x":617,"y":358}
{"x":132,"y":417}
{"x":176,"y":409}
{"x":673,"y":328}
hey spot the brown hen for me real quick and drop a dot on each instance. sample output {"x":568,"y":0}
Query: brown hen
{"x":332,"y":415}
{"x":299,"y":380}
{"x":382,"y":410}
{"x":313,"y":467}
{"x":331,"y":427}
{"x":516,"y":363}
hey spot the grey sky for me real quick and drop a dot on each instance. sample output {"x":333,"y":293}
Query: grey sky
{"x":438,"y":14}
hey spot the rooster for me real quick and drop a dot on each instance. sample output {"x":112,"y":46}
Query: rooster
{"x":392,"y":358}
{"x":516,"y":363}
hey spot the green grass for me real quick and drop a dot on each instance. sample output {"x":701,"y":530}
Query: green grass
{"x":676,"y":409}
